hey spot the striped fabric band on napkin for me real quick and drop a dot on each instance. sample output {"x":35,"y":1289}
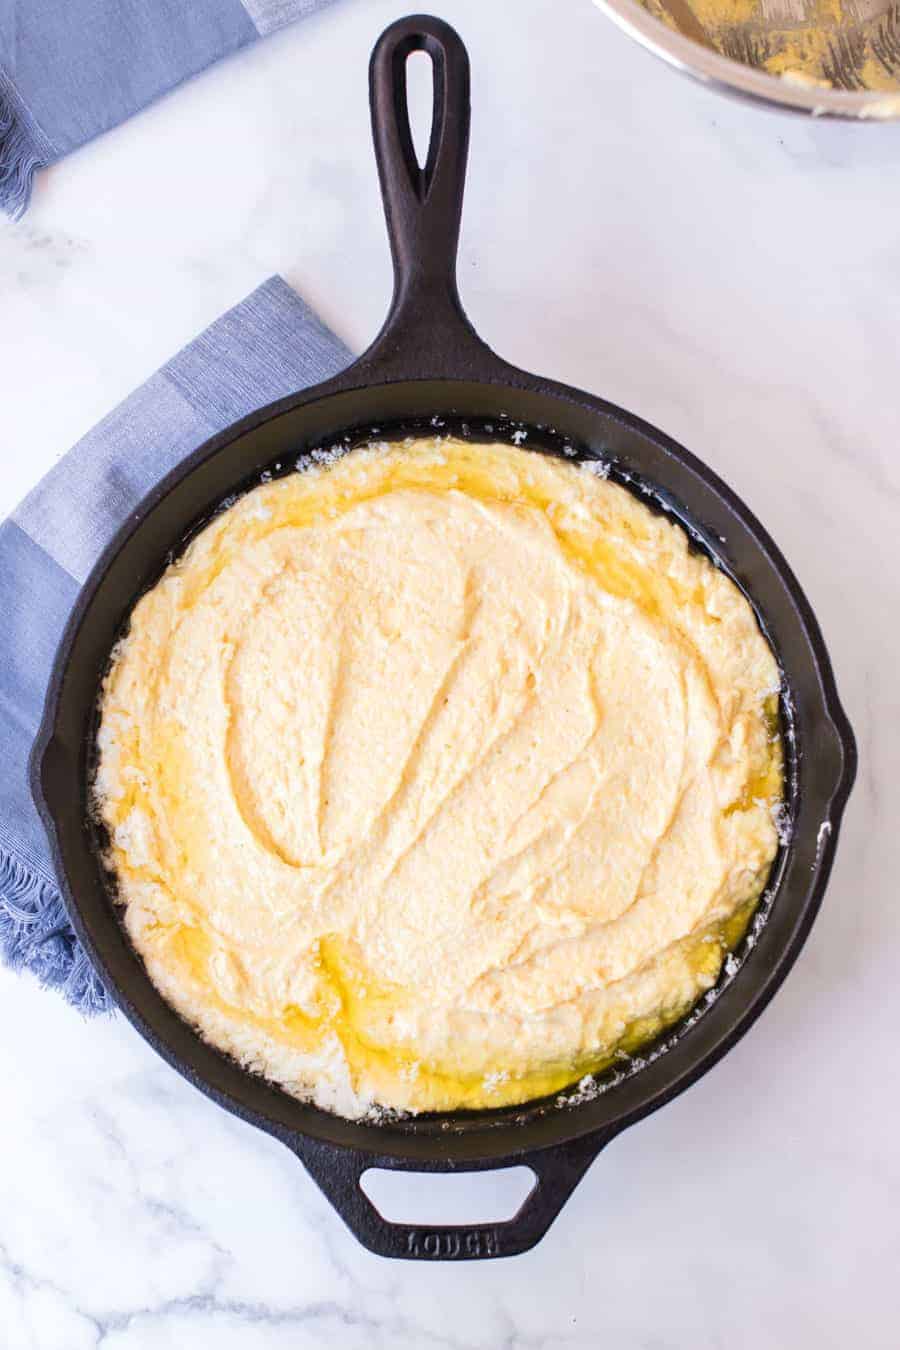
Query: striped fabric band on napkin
{"x":266,"y":347}
{"x":71,"y":69}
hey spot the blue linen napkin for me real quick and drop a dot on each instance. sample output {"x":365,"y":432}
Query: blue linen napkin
{"x":71,"y":69}
{"x":269,"y":345}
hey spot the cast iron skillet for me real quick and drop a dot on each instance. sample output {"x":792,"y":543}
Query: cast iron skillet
{"x":427,"y":363}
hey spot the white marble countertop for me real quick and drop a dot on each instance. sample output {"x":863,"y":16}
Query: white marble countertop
{"x":732,"y":275}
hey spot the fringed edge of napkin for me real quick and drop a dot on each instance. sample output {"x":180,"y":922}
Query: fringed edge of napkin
{"x":35,"y":935}
{"x":23,"y":150}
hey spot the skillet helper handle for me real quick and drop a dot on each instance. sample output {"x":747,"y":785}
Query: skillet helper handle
{"x":557,"y":1171}
{"x":426,"y":333}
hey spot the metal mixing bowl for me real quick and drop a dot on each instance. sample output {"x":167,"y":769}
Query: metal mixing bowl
{"x":699,"y":58}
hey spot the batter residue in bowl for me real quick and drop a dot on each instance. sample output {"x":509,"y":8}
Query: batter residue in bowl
{"x":437,"y":777}
{"x":853,"y":45}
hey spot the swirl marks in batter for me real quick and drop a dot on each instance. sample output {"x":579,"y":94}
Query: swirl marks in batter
{"x":436,"y":777}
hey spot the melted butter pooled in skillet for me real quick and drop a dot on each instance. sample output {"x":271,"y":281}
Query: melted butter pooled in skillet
{"x":438,"y":777}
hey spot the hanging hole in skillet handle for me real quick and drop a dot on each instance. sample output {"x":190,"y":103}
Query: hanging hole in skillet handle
{"x":420,"y":103}
{"x":556,"y":1171}
{"x":426,"y":333}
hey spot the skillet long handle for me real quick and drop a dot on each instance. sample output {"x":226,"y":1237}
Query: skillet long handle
{"x":423,"y":206}
{"x":426,"y":333}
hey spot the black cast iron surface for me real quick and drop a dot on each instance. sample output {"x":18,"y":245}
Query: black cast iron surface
{"x":428,"y":363}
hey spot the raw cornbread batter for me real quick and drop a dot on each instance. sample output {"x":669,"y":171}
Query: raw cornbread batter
{"x":437,"y":776}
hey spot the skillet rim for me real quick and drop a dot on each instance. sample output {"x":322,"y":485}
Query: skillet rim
{"x":491,"y":1141}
